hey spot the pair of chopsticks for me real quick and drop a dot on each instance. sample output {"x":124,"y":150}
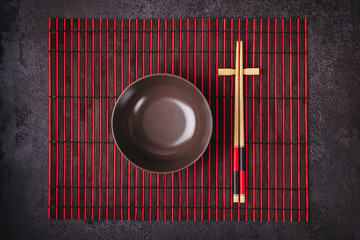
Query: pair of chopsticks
{"x":239,"y":134}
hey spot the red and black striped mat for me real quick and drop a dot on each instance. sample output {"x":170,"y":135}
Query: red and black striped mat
{"x":92,"y":61}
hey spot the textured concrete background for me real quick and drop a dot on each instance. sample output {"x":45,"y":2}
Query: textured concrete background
{"x":334,"y":119}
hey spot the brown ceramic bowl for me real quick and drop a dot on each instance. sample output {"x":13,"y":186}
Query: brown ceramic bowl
{"x":162,"y":123}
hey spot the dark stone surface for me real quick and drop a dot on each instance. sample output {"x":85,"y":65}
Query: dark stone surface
{"x":334,"y":119}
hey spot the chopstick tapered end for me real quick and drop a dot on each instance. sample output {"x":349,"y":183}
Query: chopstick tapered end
{"x":236,"y":198}
{"x":242,"y":198}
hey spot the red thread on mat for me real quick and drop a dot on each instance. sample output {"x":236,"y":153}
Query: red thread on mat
{"x":253,"y":125}
{"x":291,"y":127}
{"x":306,"y":129}
{"x":158,"y":45}
{"x":260,"y":125}
{"x":122,"y":56}
{"x":224,"y":123}
{"x":180,"y":48}
{"x":157,"y":196}
{"x":209,"y":189}
{"x":57,"y":119}
{"x":122,"y":89}
{"x":86,"y":124}
{"x":107,"y":118}
{"x":283,"y":117}
{"x":195,"y":189}
{"x":93,"y":118}
{"x":78,"y":118}
{"x":49,"y":200}
{"x":121,"y":184}
{"x":275,"y":95}
{"x":298,"y":125}
{"x":165,"y":50}
{"x":202,"y":90}
{"x":187,"y":76}
{"x":64,"y":119}
{"x":246,"y":124}
{"x":129,"y":191}
{"x":217,"y":125}
{"x":268,"y":115}
{"x":114,"y":146}
{"x":72,"y":125}
{"x":100,"y":122}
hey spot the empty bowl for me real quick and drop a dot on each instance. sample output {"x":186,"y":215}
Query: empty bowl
{"x":162,"y":123}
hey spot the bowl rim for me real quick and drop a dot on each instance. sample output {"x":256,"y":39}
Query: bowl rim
{"x":193,"y":86}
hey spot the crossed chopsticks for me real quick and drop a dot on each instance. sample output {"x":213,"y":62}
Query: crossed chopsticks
{"x":239,"y":137}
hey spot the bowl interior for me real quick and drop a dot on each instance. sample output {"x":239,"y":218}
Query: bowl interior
{"x":162,"y":123}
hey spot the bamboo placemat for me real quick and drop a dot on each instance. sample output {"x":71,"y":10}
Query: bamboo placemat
{"x":92,"y":61}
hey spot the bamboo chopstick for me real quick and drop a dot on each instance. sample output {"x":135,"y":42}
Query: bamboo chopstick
{"x":242,"y":129}
{"x":239,"y":128}
{"x":236,"y":128}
